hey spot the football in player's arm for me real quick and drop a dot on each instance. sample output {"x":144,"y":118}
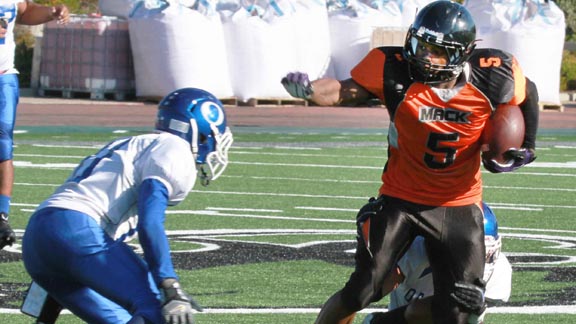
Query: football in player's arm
{"x":75,"y":244}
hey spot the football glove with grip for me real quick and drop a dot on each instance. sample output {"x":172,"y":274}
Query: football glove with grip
{"x":516,"y":158}
{"x":298,"y":85}
{"x":7,"y":236}
{"x":177,"y":305}
{"x":470,"y":296}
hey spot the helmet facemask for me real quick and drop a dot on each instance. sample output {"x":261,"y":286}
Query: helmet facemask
{"x":422,"y":69}
{"x":212,"y":153}
{"x":449,"y":28}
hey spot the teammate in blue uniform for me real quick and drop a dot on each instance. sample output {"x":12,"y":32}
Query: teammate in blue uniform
{"x":75,"y":245}
{"x":25,"y":13}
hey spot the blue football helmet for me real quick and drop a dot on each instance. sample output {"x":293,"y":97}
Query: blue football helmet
{"x":198,"y":117}
{"x":492,"y":240}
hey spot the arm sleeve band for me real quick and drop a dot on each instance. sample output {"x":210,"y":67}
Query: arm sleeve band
{"x":531,"y":113}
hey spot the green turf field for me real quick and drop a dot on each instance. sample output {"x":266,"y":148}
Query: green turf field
{"x":267,"y":242}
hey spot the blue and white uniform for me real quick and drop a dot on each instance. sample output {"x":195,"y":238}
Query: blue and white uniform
{"x":415,"y":268}
{"x":74,"y":245}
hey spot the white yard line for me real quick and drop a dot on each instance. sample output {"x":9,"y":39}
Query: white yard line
{"x":551,"y":309}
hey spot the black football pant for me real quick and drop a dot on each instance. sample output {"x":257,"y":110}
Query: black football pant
{"x":454,"y":239}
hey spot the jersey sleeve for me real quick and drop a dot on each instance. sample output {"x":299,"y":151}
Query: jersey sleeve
{"x":498,"y":75}
{"x":499,"y":287}
{"x":363,"y":73}
{"x":415,"y":260}
{"x":152,"y":203}
{"x":519,"y":84}
{"x":171,"y":162}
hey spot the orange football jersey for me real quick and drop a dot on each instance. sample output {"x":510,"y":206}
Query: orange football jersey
{"x":434,"y":147}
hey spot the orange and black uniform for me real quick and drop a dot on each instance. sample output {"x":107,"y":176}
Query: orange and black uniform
{"x":431,"y":184}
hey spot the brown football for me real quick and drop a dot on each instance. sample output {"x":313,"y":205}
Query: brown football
{"x":503,"y":131}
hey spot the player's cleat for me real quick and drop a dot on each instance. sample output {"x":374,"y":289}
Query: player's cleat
{"x":7,"y":235}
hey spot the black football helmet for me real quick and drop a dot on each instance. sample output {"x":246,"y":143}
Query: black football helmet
{"x":447,"y":26}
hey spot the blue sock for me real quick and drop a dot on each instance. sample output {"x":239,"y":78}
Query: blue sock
{"x":4,"y":204}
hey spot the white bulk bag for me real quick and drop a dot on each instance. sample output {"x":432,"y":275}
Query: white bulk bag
{"x":178,"y":47}
{"x":410,"y":8}
{"x":259,"y":53}
{"x":350,"y":34}
{"x":311,"y":49}
{"x":117,"y":8}
{"x":532,"y":30}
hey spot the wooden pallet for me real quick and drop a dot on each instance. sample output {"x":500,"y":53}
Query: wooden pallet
{"x":274,"y":102}
{"x":227,"y":101}
{"x":87,"y":94}
{"x":543,"y":106}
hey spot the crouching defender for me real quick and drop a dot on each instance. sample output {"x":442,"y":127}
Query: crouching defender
{"x":75,"y":246}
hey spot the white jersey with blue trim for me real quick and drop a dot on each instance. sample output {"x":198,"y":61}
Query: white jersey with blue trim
{"x":417,"y":273}
{"x":8,"y":13}
{"x":105,"y":185}
{"x":418,"y":282}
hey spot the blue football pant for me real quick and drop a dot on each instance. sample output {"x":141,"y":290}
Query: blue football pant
{"x":9,"y":95}
{"x":98,"y":279}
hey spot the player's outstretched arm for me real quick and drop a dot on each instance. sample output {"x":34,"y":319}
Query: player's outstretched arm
{"x":325,"y":91}
{"x":30,"y":13}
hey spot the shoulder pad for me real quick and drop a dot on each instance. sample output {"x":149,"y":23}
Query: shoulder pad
{"x":392,"y":53}
{"x":492,"y":72}
{"x":396,"y":77}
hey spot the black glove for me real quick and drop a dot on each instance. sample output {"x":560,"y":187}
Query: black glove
{"x":371,"y":208}
{"x":177,"y":305}
{"x":516,"y":159}
{"x":298,"y":85}
{"x":7,"y":236}
{"x":363,"y":221}
{"x":470,"y":296}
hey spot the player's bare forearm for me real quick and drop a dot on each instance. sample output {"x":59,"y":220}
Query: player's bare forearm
{"x":326,"y":92}
{"x":334,"y":312}
{"x":30,"y":13}
{"x":332,"y":92}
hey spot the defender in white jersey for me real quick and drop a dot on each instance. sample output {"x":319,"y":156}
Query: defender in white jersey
{"x":412,"y":279}
{"x":75,"y":246}
{"x":14,"y":12}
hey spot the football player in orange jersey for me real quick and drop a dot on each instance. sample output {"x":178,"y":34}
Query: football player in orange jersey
{"x":439,"y":92}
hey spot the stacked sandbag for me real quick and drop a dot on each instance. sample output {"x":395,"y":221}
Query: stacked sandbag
{"x":409,"y":9}
{"x":311,"y":32}
{"x":266,"y":39}
{"x":532,"y":30}
{"x":175,"y":46}
{"x":117,"y":8}
{"x":351,"y":26}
